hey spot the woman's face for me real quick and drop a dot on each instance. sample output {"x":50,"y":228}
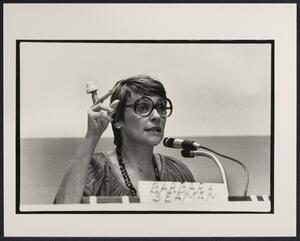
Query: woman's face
{"x":137,"y":129}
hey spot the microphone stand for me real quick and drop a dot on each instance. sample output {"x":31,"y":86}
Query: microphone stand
{"x":216,"y":160}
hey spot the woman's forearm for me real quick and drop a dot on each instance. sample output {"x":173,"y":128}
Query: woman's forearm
{"x":71,"y":188}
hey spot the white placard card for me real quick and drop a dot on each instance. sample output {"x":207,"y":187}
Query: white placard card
{"x":186,"y":192}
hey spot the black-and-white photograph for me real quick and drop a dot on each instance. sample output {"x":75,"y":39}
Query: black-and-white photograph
{"x":152,"y":122}
{"x":149,"y":120}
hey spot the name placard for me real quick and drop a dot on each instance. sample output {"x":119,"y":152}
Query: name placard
{"x":187,"y":192}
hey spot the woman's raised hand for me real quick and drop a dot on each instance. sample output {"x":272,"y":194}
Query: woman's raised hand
{"x":99,"y":116}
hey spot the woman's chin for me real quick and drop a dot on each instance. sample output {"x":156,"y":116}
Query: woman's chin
{"x":154,"y":140}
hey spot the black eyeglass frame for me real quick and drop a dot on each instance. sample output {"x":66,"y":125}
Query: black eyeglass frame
{"x":154,"y":106}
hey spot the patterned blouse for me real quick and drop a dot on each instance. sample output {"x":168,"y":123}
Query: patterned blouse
{"x":102,"y":179}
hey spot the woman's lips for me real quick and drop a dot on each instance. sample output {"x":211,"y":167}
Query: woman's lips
{"x":155,"y":128}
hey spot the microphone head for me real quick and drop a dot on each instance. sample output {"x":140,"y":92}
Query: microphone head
{"x":187,"y":153}
{"x":180,"y":144}
{"x":168,"y":142}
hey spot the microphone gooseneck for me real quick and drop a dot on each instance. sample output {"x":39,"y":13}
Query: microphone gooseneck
{"x":189,"y":150}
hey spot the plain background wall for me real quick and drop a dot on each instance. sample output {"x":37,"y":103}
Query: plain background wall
{"x":44,"y":162}
{"x":216,"y":89}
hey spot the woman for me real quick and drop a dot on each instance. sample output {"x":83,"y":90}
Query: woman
{"x":138,"y":111}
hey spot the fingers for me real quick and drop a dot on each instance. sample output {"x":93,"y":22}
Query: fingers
{"x":94,"y":97}
{"x":104,"y":117}
{"x":105,"y":111}
{"x":102,"y":112}
{"x":99,"y":107}
{"x":104,"y":97}
{"x":114,"y":104}
{"x":111,"y":108}
{"x":100,"y":116}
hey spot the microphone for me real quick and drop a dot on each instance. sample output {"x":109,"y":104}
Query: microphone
{"x":188,"y":153}
{"x":180,"y":144}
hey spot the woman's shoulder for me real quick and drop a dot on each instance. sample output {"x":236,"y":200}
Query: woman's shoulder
{"x":173,"y":160}
{"x":96,"y":172}
{"x":98,"y":164}
{"x":172,"y":166}
{"x":99,"y":159}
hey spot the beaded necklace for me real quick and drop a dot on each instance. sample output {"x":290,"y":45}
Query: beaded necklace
{"x":125,"y":175}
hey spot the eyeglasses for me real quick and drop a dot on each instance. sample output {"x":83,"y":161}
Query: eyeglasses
{"x":144,"y":106}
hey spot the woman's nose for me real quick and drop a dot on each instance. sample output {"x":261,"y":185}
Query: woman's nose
{"x":154,"y":114}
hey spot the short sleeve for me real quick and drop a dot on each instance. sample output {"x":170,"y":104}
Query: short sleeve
{"x":96,"y":174}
